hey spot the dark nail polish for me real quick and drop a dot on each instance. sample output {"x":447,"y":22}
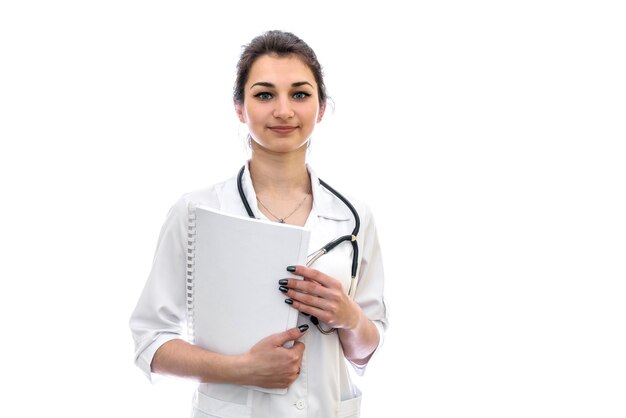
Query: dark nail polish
{"x":305,"y":314}
{"x":283,"y":281}
{"x":291,"y":268}
{"x":303,"y":327}
{"x":289,"y":301}
{"x":283,"y":289}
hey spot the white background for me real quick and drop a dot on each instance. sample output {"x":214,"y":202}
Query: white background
{"x":487,"y":137}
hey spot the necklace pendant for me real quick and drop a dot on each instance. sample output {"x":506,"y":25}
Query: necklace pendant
{"x":281,"y":221}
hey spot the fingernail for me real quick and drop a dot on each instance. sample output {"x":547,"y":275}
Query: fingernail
{"x":291,"y":268}
{"x":289,"y":301}
{"x":283,"y":281}
{"x":305,"y":314}
{"x":283,"y":289}
{"x":303,"y":327}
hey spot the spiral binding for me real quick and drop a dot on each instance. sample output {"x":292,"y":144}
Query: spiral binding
{"x":191,"y":251}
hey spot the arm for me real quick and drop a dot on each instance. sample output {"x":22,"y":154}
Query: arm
{"x":268,"y":364}
{"x":359,"y":342}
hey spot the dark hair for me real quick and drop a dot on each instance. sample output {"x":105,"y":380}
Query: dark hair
{"x":282,"y":44}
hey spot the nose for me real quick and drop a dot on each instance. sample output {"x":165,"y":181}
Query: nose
{"x":283,"y":109}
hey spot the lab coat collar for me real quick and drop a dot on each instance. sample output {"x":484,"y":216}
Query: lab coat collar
{"x":325,"y":204}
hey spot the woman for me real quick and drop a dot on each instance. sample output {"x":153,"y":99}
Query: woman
{"x":280,"y":95}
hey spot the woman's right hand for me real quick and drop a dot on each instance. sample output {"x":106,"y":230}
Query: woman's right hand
{"x":270,"y":365}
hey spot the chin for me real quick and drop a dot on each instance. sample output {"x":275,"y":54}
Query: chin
{"x":277,"y":147}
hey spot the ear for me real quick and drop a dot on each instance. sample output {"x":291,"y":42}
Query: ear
{"x":321,"y":113}
{"x":239,"y":111}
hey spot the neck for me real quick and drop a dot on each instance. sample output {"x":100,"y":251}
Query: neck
{"x":284,"y":175}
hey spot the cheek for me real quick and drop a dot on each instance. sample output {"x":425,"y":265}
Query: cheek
{"x":309,"y":115}
{"x":254,"y":115}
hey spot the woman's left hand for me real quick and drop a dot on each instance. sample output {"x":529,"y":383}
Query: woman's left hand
{"x":321,"y":296}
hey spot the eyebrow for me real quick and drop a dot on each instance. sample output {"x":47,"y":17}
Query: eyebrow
{"x":266,"y":84}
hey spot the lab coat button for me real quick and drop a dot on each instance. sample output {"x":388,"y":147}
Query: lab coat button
{"x":300,"y":404}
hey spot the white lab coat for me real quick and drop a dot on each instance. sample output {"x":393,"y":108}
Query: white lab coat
{"x":323,"y":388}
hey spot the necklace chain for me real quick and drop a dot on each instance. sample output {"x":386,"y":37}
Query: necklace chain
{"x":282,"y":220}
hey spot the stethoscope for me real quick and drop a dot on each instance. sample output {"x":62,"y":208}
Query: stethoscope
{"x":312,"y":258}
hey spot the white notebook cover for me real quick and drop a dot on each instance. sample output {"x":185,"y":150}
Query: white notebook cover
{"x":234,"y":264}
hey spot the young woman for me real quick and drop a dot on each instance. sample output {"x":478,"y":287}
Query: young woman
{"x":280,"y":95}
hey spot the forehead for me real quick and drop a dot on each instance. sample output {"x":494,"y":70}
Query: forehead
{"x":280,"y":70}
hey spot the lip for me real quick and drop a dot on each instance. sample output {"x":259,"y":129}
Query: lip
{"x":283,"y":129}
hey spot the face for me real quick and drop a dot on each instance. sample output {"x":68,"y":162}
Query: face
{"x":281,"y":104}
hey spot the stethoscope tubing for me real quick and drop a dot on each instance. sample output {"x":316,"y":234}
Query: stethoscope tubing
{"x":326,"y":248}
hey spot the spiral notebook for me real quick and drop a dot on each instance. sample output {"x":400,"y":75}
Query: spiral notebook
{"x":233,"y":267}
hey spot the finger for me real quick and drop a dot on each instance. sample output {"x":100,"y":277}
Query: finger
{"x":308,"y":309}
{"x":291,"y":283}
{"x":303,"y":286}
{"x":327,"y":282}
{"x":299,"y":347}
{"x":290,"y":335}
{"x":308,"y":300}
{"x":311,"y":274}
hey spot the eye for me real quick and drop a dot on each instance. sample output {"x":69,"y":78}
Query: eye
{"x":301,"y":95}
{"x":263,"y":96}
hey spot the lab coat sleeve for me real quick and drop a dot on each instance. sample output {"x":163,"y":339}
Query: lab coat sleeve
{"x":369,"y":293}
{"x":160,"y":314}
